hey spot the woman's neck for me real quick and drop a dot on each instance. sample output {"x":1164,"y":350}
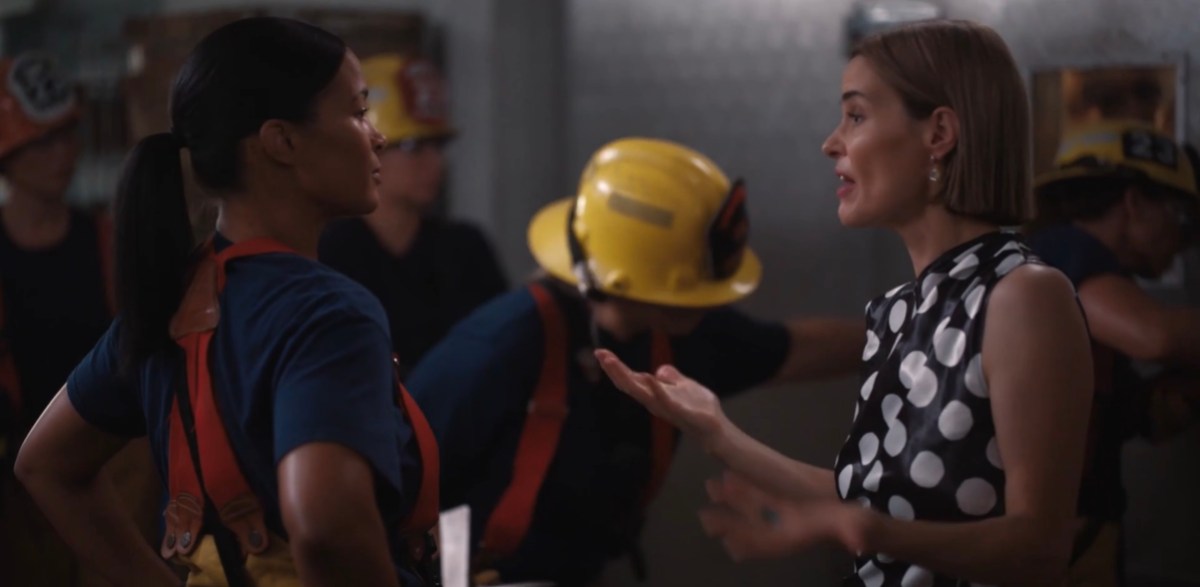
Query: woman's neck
{"x":936,"y":231}
{"x":298,"y":227}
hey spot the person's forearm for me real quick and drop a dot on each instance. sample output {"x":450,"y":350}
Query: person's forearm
{"x":767,"y":468}
{"x":356,"y":553}
{"x":89,"y":518}
{"x":1008,"y":550}
{"x":823,"y":348}
{"x":333,"y":564}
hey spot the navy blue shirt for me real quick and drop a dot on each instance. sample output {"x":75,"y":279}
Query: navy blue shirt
{"x":474,"y":388}
{"x":449,"y":270}
{"x":1117,"y":409}
{"x":301,"y":355}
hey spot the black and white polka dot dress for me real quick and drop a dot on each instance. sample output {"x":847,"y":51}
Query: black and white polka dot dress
{"x":923,"y":445}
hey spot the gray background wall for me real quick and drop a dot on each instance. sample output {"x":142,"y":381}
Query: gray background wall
{"x":539,"y":84}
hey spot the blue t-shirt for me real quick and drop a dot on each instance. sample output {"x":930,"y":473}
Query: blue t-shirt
{"x":475,"y":386}
{"x":1117,"y":409}
{"x":301,"y":355}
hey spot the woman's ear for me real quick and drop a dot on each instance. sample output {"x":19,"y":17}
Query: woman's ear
{"x":942,"y":133}
{"x":277,"y":139}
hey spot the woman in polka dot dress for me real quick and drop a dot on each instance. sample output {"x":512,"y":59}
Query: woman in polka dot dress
{"x":963,"y":463}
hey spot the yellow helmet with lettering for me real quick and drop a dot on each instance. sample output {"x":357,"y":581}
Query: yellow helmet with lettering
{"x":655,"y":222}
{"x":1120,"y":149}
{"x":408,"y":98}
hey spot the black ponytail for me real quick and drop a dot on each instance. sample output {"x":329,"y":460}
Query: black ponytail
{"x":153,"y":241}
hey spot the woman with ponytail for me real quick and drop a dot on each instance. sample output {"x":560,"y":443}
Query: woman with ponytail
{"x":263,"y":380}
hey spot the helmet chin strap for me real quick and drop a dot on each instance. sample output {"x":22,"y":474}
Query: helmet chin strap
{"x":584,"y":279}
{"x":586,"y":284}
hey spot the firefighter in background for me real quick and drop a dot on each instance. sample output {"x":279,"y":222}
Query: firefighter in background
{"x":557,"y":465}
{"x":55,"y":303}
{"x":1122,"y":203}
{"x":429,"y":272}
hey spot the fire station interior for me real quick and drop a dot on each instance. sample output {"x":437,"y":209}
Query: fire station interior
{"x":535,"y":87}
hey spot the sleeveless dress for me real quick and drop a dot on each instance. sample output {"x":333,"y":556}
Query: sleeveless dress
{"x":923,"y":444}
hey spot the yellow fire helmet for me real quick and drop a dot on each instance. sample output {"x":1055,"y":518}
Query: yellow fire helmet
{"x":1120,"y":149}
{"x":408,"y":98}
{"x":654,"y":222}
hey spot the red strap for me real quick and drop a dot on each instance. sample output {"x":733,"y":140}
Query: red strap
{"x":662,"y":433}
{"x":425,"y":512}
{"x":192,"y":327}
{"x":249,"y":248}
{"x":510,"y":519}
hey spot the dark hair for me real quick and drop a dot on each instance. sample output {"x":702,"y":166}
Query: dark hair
{"x":967,"y":67}
{"x":237,"y":78}
{"x":1079,"y":199}
{"x":1089,"y":198}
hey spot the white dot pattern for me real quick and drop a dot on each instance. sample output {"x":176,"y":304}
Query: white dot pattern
{"x":917,"y":577}
{"x":844,"y":481}
{"x":900,"y":509}
{"x":891,"y":405}
{"x":955,"y":421}
{"x":976,"y":497}
{"x":867,"y":386}
{"x":868,"y":446}
{"x":872,"y":346}
{"x":927,"y":470}
{"x":898,"y":315}
{"x":974,"y":300}
{"x":993,"y":454}
{"x":923,"y":441}
{"x":871,"y":575}
{"x":965,"y":268}
{"x":973,"y":378}
{"x":929,"y":302}
{"x":896,"y":439}
{"x":871,"y":482}
{"x":919,"y":379}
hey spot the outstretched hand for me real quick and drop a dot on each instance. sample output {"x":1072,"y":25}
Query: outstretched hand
{"x":753,"y":524}
{"x":669,"y":395}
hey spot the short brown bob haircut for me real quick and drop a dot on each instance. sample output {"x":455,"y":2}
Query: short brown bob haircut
{"x":966,"y":67}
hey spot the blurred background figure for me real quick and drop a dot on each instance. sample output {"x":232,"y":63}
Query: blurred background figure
{"x":55,"y":302}
{"x":1121,"y":204}
{"x":428,"y":271}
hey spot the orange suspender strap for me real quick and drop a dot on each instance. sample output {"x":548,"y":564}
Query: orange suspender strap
{"x":513,"y":514}
{"x":662,"y":433}
{"x":192,"y":328}
{"x":425,"y":513}
{"x":510,"y":519}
